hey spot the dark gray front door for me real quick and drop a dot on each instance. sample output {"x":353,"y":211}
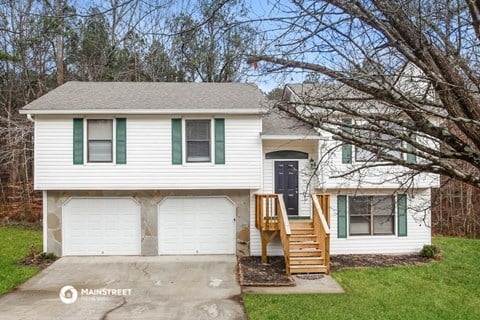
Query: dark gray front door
{"x":286,"y":183}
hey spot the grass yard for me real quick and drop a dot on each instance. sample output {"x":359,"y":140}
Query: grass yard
{"x":15,"y":244}
{"x":449,"y":289}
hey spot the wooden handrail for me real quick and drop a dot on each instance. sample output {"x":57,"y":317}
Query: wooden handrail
{"x":271,"y":216}
{"x":321,"y":216}
{"x":321,"y":225}
{"x":283,"y":217}
{"x":285,"y":230}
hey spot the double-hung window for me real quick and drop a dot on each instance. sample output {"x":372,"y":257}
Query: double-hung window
{"x":100,"y":140}
{"x":372,"y":215}
{"x":362,"y":155}
{"x":198,"y":140}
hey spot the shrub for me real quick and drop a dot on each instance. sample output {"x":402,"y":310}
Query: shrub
{"x":431,"y":251}
{"x":47,"y":256}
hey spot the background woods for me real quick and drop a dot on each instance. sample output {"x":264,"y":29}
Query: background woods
{"x":44,"y":43}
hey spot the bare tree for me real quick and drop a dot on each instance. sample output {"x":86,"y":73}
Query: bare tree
{"x":401,"y":69}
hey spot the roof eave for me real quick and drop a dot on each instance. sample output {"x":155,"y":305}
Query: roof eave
{"x":243,"y":111}
{"x":292,"y":137}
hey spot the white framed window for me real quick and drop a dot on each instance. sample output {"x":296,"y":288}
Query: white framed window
{"x":198,"y":142}
{"x":362,"y":155}
{"x":99,"y":140}
{"x":371,"y":215}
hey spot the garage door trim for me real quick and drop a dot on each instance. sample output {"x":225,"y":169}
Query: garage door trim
{"x":234,"y":220}
{"x":138,"y":211}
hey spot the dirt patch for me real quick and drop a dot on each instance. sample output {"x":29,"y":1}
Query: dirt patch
{"x":273,"y":274}
{"x":348,"y":261}
{"x":39,"y":260}
{"x":41,"y":264}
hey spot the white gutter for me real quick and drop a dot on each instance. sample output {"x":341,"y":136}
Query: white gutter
{"x":292,"y":137}
{"x":252,"y":111}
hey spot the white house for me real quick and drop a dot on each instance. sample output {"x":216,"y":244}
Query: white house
{"x":375,"y":210}
{"x":174,"y":168}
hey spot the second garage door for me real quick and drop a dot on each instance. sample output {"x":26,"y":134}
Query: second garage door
{"x":196,"y":225}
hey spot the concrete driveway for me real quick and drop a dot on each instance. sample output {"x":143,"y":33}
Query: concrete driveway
{"x":172,"y":287}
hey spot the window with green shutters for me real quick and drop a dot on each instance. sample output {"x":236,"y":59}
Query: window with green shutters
{"x":99,"y":140}
{"x":199,"y":146}
{"x":371,"y":215}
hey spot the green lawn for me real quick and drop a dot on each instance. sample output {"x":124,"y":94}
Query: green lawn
{"x":15,"y":244}
{"x":449,"y":289}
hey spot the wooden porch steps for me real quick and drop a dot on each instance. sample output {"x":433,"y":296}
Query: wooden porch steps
{"x":305,"y":253}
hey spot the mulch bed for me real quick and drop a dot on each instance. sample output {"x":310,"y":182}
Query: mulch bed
{"x":349,"y":261}
{"x":253,"y":273}
{"x":273,"y":274}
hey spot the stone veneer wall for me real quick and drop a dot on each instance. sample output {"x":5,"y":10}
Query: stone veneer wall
{"x":149,"y":200}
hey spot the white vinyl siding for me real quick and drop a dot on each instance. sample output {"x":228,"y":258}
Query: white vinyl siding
{"x":387,"y":177}
{"x":149,"y":158}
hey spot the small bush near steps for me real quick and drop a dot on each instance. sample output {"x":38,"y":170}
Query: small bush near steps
{"x":431,"y":251}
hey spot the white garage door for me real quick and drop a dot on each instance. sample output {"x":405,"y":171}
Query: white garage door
{"x":101,"y":226}
{"x":196,"y":225}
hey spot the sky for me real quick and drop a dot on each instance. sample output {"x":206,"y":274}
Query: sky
{"x":261,"y":9}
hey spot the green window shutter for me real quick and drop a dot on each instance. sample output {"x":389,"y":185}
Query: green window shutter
{"x":121,"y":143}
{"x":77,"y":141}
{"x":176,"y":141}
{"x":219,"y":141}
{"x":347,"y":149}
{"x":411,"y":158}
{"x":402,"y":215}
{"x":342,"y":216}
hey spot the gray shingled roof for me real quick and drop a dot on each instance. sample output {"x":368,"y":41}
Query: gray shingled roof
{"x":279,"y":123}
{"x":153,"y":96}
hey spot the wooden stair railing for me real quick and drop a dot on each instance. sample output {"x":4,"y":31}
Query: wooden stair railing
{"x":271,"y":220}
{"x":285,"y":231}
{"x":321,"y":218}
{"x":305,"y":243}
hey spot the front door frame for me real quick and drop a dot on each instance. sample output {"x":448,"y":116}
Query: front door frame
{"x":296,"y":207}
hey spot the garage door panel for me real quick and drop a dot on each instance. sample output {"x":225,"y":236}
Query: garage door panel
{"x":101,"y":226}
{"x":203,"y":226}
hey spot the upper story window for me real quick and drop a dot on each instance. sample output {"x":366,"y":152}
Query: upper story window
{"x":100,"y":140}
{"x":372,"y":215}
{"x":198,"y":140}
{"x":362,"y":155}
